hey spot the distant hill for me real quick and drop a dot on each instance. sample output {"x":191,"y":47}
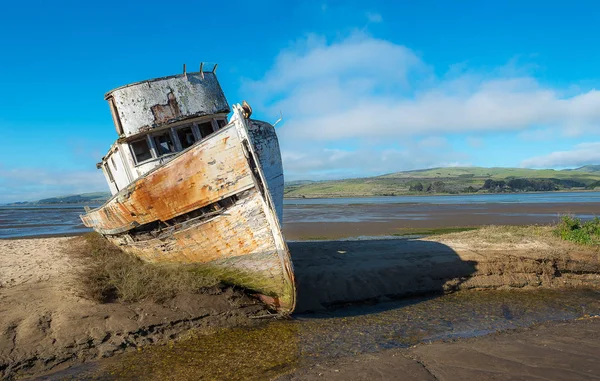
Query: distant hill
{"x":588,"y":168}
{"x":84,"y":198}
{"x":453,"y":180}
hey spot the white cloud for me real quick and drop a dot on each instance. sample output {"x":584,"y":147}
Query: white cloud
{"x":315,"y":162}
{"x":361,"y":91}
{"x":581,"y":154}
{"x":374,"y":17}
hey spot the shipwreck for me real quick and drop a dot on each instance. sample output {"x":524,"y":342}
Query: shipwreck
{"x":191,"y":186}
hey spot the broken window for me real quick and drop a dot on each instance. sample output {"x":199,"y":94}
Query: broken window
{"x":141,"y":150}
{"x":164,"y":143}
{"x":222,"y":123}
{"x":186,"y":137}
{"x":205,"y":128}
{"x":109,"y":173}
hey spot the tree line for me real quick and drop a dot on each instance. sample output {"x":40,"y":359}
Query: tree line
{"x":499,"y":186}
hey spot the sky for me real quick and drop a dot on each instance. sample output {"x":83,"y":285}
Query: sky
{"x":364,"y":88}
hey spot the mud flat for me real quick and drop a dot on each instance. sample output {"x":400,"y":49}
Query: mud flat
{"x":45,"y":323}
{"x":549,"y":351}
{"x":321,"y":221}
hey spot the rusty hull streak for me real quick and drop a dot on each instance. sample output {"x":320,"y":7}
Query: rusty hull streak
{"x":184,"y":184}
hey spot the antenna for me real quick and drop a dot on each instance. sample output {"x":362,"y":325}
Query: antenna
{"x":184,"y":73}
{"x":215,"y":68}
{"x":278,"y":120}
{"x":202,"y":69}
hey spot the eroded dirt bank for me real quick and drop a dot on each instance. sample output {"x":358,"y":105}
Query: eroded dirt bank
{"x":45,"y":323}
{"x":331,"y":273}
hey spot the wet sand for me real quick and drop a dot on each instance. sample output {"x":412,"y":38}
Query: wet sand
{"x":549,"y":351}
{"x":342,"y":221}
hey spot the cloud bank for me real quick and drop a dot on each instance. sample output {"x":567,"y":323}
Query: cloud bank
{"x":582,"y":154}
{"x":342,"y":100}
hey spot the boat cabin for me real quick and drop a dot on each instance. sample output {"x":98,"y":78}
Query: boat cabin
{"x":158,"y":118}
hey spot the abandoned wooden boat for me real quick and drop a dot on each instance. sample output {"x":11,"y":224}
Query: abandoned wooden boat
{"x":189,"y":186}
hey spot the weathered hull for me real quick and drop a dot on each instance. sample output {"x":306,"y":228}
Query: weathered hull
{"x":218,"y":204}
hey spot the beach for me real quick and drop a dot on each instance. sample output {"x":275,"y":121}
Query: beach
{"x":47,"y":325}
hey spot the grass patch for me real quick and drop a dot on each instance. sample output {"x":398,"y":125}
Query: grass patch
{"x":433,"y":231}
{"x":112,"y":275}
{"x":572,"y":229}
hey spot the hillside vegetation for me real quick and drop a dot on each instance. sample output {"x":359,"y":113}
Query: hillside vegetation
{"x":454,"y":180}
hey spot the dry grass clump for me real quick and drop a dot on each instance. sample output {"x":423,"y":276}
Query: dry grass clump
{"x":110,"y":274}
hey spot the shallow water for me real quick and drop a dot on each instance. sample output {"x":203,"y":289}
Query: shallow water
{"x":504,"y":198}
{"x":35,"y":220}
{"x":281,"y":346}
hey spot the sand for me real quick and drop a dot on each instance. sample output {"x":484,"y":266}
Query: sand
{"x":45,"y":323}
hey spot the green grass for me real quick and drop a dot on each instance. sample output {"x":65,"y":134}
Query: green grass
{"x":112,"y":275}
{"x":572,"y":229}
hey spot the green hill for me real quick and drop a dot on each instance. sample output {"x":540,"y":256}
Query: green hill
{"x":453,"y":180}
{"x":84,"y":198}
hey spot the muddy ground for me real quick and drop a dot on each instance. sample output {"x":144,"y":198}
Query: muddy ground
{"x":45,"y":324}
{"x":549,"y":351}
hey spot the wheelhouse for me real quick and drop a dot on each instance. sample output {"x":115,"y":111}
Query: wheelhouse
{"x":159,"y":118}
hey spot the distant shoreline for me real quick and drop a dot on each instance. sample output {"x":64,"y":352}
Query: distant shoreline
{"x":415,"y":194}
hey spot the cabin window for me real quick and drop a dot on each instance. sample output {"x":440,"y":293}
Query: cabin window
{"x":205,"y":128}
{"x":164,"y":143}
{"x":222,"y":123}
{"x":186,"y":137}
{"x":141,"y":150}
{"x":109,"y":173}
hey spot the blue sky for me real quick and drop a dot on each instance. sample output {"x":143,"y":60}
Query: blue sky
{"x":365,"y":88}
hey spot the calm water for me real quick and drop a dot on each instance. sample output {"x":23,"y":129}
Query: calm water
{"x":511,"y":198}
{"x":23,"y":221}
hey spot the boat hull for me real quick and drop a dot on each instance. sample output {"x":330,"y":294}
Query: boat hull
{"x":217,"y":204}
